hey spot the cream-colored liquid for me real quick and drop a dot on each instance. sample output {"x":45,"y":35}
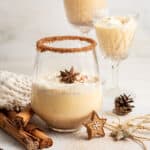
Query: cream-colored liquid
{"x":115,"y":40}
{"x":65,"y":106}
{"x":80,"y":12}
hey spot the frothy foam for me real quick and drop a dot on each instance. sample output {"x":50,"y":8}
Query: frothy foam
{"x":116,"y":21}
{"x":53,"y":82}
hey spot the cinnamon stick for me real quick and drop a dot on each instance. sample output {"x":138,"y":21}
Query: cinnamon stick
{"x":29,"y":141}
{"x":10,"y":114}
{"x":22,"y":118}
{"x":45,"y":141}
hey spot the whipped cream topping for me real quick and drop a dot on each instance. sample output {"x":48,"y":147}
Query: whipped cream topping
{"x":53,"y":82}
{"x":116,"y":21}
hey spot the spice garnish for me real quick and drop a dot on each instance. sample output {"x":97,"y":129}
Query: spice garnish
{"x":71,"y":76}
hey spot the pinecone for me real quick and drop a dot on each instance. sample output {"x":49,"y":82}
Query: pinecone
{"x":123,"y":104}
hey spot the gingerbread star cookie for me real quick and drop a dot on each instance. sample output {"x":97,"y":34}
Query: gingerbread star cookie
{"x":95,"y":126}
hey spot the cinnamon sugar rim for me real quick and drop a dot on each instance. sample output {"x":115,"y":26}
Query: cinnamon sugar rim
{"x":42,"y":47}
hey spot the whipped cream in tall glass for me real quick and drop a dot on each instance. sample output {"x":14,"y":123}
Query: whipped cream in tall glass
{"x":115,"y":35}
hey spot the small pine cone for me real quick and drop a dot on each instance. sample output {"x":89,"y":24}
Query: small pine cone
{"x":123,"y":104}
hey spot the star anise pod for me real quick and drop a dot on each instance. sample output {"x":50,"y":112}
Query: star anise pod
{"x":68,"y":76}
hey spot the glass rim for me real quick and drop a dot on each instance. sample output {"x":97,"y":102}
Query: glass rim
{"x":115,"y":13}
{"x":41,"y":47}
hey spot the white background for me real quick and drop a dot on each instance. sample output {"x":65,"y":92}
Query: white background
{"x":23,"y":22}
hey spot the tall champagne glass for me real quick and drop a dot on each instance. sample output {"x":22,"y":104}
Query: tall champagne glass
{"x":115,"y":34}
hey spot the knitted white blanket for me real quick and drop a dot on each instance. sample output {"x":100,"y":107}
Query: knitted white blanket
{"x":15,"y":90}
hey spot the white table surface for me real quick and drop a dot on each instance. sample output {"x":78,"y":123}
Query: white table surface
{"x":134,"y":76}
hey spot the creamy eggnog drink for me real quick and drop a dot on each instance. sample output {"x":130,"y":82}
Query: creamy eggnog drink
{"x":63,"y":105}
{"x":80,"y":12}
{"x":115,"y":35}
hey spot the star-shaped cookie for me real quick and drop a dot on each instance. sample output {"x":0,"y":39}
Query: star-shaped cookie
{"x":95,"y":126}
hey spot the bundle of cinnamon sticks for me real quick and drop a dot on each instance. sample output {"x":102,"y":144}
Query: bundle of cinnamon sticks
{"x":18,"y":125}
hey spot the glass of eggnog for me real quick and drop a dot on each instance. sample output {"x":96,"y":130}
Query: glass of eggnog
{"x":80,"y":12}
{"x":66,"y":87}
{"x":115,"y":34}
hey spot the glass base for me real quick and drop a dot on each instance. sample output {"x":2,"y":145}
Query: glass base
{"x":109,"y":97}
{"x":63,"y":130}
{"x":84,"y":29}
{"x":112,"y":92}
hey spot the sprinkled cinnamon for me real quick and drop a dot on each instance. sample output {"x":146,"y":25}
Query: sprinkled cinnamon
{"x":42,"y":47}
